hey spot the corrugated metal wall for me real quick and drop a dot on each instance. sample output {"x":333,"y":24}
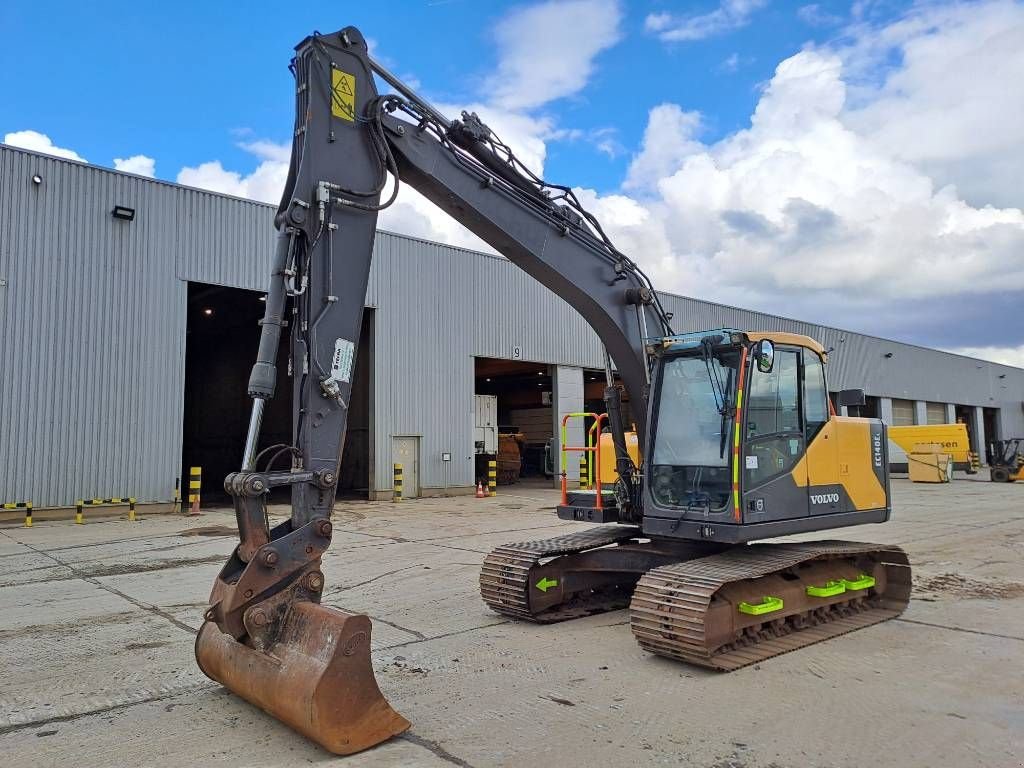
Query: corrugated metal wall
{"x":92,"y":334}
{"x":93,"y":328}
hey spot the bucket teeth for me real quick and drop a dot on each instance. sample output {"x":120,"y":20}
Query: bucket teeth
{"x":317,"y":677}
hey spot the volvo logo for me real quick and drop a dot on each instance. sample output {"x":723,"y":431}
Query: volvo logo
{"x":824,"y":498}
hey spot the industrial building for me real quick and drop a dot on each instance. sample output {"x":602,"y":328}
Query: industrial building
{"x":128,"y":323}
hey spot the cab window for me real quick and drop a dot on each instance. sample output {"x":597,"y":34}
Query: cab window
{"x":815,"y":395}
{"x":774,"y":435}
{"x":773,"y":402}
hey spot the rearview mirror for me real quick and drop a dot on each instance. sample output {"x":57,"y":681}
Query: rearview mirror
{"x":852,"y":397}
{"x":764,"y":353}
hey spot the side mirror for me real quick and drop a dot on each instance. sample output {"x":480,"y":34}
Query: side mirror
{"x":852,"y":397}
{"x":764,"y":354}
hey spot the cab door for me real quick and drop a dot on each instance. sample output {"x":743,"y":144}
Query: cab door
{"x":825,"y":494}
{"x":774,"y":442}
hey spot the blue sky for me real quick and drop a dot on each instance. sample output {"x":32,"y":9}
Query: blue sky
{"x":180,"y":82}
{"x":852,"y":163}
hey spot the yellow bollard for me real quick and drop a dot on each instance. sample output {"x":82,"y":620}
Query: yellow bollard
{"x":177,"y":496}
{"x":28,"y":514}
{"x":397,"y":483}
{"x":79,"y":508}
{"x":492,"y":478}
{"x":131,"y":510}
{"x":195,"y":487}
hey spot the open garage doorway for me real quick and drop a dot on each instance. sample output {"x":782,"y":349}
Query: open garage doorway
{"x":518,"y":394}
{"x":222,"y":336}
{"x":515,"y":420}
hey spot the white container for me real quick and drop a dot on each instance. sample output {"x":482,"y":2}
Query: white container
{"x":485,"y":428}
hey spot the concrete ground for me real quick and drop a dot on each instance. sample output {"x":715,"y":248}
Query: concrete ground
{"x":98,"y":623}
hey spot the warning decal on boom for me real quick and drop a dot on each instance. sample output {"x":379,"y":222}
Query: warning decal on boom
{"x":343,"y":95}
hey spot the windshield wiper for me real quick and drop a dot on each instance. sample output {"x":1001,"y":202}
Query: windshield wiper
{"x":720,"y":392}
{"x":725,"y":411}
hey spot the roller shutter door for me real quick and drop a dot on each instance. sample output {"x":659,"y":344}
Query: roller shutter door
{"x":902,"y":413}
{"x":936,"y":413}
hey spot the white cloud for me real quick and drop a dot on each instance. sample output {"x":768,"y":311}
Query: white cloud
{"x":40,"y":142}
{"x":547,"y":51}
{"x":265,"y":183}
{"x":955,"y":106}
{"x":1006,"y":355}
{"x":140,"y":165}
{"x":730,"y":15}
{"x":803,"y":215}
{"x":670,"y":137}
{"x":816,"y":16}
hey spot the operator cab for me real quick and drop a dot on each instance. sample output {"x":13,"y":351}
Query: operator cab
{"x":744,"y":444}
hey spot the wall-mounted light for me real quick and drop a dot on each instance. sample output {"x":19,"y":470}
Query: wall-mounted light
{"x":887,"y":355}
{"x":1002,"y":375}
{"x":37,"y":179}
{"x":123,"y":212}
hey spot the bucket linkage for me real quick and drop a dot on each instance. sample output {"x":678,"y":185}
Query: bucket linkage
{"x":267,"y":638}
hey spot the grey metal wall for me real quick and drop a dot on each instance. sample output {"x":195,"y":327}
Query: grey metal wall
{"x":92,"y":333}
{"x":439,"y":306}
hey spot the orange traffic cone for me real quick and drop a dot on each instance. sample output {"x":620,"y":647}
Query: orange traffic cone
{"x":480,"y":490}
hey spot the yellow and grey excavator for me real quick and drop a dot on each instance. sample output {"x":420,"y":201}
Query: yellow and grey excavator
{"x":735,"y":438}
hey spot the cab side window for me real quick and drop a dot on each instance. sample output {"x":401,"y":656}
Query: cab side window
{"x":773,"y":424}
{"x":815,"y":395}
{"x":772,"y":403}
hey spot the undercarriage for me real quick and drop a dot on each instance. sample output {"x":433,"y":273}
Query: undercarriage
{"x":716,"y":606}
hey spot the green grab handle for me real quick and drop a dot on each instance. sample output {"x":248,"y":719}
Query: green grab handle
{"x":864,"y":582}
{"x":767,"y":605}
{"x":831,"y":589}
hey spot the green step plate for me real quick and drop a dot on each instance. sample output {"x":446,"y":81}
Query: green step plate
{"x":831,"y":589}
{"x":863,"y":582}
{"x":767,"y":605}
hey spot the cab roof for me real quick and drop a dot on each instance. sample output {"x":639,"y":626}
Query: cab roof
{"x":782,"y":337}
{"x":691,"y":340}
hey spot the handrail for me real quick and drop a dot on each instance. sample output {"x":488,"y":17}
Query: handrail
{"x":594,"y":447}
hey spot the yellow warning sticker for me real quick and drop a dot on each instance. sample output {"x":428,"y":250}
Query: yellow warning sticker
{"x":343,"y":95}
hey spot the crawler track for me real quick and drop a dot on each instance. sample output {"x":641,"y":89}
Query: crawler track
{"x":689,"y":610}
{"x":507,"y":573}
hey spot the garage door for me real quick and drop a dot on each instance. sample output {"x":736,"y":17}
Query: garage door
{"x":902,"y":413}
{"x":936,"y":413}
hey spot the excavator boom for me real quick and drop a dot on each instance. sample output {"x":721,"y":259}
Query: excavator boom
{"x":266,"y":636}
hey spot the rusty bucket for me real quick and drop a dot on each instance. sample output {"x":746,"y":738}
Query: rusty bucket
{"x":316,"y":678}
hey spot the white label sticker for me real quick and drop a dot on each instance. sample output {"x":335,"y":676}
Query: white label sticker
{"x":341,"y":363}
{"x":751,"y":462}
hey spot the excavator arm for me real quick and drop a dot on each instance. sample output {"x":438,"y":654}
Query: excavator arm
{"x":266,"y":636}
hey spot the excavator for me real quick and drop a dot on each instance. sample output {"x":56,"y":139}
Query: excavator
{"x":734,"y":437}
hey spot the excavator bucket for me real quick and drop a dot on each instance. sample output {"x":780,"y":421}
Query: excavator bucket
{"x":316,"y":678}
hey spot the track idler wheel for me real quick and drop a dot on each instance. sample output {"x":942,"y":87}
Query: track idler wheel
{"x":316,"y":678}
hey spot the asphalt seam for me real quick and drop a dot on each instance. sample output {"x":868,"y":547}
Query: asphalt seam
{"x":435,"y":748}
{"x":442,"y":636}
{"x":96,"y":582}
{"x":961,"y":629}
{"x":6,"y":729}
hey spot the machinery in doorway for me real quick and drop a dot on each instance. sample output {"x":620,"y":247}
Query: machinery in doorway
{"x":735,"y":439}
{"x":1006,"y":460}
